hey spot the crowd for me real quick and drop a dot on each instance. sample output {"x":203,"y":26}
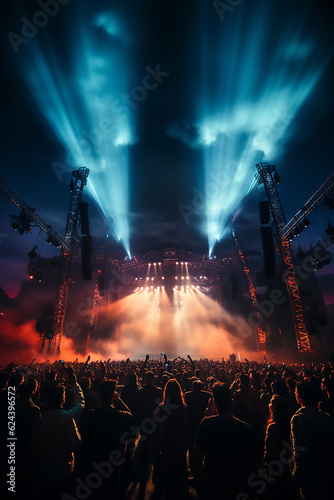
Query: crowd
{"x":194,"y":429}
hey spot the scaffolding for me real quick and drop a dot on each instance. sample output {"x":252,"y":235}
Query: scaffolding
{"x":78,"y":181}
{"x":260,"y":334}
{"x":265,"y":173}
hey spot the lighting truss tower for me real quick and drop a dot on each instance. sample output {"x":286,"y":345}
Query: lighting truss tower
{"x":78,"y":181}
{"x":265,"y":177}
{"x":260,"y":334}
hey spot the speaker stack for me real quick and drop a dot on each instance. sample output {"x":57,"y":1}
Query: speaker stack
{"x":267,"y":240}
{"x":86,"y":243}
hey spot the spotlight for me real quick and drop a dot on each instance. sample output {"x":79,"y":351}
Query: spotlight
{"x":52,"y":241}
{"x":306,"y":222}
{"x":21,"y":223}
{"x":298,"y":230}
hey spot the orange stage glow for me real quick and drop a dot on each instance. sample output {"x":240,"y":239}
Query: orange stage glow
{"x":178,"y":323}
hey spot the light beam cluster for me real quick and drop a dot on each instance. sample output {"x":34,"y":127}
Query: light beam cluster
{"x":78,"y":82}
{"x":256,"y":72}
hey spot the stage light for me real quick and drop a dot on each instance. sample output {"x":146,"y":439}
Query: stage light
{"x":49,"y":239}
{"x":21,"y":223}
{"x":306,"y":222}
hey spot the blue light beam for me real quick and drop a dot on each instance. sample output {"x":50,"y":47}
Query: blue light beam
{"x":256,"y":73}
{"x":77,"y":83}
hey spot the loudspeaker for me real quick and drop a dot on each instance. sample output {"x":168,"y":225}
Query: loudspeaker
{"x":86,"y":257}
{"x":264,"y":212}
{"x":268,"y":251}
{"x":84,"y":221}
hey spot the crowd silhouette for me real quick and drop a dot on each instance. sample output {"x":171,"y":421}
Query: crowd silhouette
{"x":212,"y":430}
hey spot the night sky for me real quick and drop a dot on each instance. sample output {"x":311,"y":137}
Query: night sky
{"x":227,"y":68}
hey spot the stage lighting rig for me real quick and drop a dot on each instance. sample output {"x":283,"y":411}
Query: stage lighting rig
{"x":21,"y":223}
{"x":53,"y":241}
